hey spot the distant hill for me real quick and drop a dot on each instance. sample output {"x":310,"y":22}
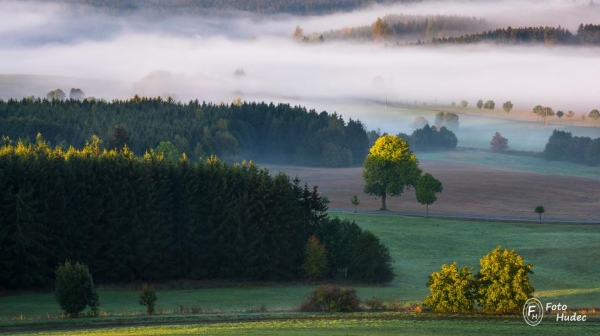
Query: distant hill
{"x":23,"y":85}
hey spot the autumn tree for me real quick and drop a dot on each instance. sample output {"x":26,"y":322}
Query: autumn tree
{"x":499,"y":143}
{"x":389,"y":168}
{"x":452,"y":290}
{"x":57,"y":94}
{"x":503,"y":282}
{"x":298,"y":34}
{"x":381,"y":29}
{"x":427,"y":187}
{"x":479,"y":104}
{"x":540,"y":210}
{"x":507,"y":106}
{"x":315,"y":259}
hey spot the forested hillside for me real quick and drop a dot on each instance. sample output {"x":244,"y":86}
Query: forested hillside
{"x":588,"y":34}
{"x":298,"y":7}
{"x":256,"y":131}
{"x":403,"y":27}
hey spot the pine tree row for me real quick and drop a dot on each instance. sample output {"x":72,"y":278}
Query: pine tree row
{"x":142,"y":218}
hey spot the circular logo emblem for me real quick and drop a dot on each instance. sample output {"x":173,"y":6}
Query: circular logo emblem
{"x":533,"y":312}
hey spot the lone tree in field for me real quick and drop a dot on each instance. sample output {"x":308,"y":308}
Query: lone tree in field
{"x":540,"y":210}
{"x":594,"y":114}
{"x":354,"y":200}
{"x":452,"y":290}
{"x":464,"y":103}
{"x":560,"y":114}
{"x":570,"y":114}
{"x":479,"y":104}
{"x":74,"y":289}
{"x":499,"y":143}
{"x":315,"y":259}
{"x":148,"y":298}
{"x":427,"y":187}
{"x":543,"y":112}
{"x":503,"y":282}
{"x":507,"y":106}
{"x":390,"y":167}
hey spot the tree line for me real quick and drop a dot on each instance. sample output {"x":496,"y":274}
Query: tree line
{"x":588,"y":34}
{"x":264,"y":132}
{"x":298,"y":7}
{"x":563,"y":146}
{"x":141,"y":218}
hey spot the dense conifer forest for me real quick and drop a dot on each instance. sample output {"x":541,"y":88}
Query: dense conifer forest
{"x":298,"y":7}
{"x":258,"y":131}
{"x":134,"y":218}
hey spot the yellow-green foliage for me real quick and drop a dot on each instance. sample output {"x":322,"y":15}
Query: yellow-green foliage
{"x":389,"y":167}
{"x":503,"y":282}
{"x":315,"y":258}
{"x":451,"y":290}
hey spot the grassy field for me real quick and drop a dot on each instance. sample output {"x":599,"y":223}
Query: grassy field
{"x":348,"y":325}
{"x":566,"y":259}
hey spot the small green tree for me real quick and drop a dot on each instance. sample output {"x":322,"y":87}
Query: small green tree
{"x":354,"y":200}
{"x":560,"y":114}
{"x":315,"y":258}
{"x":507,"y":106}
{"x":452,"y":290}
{"x":427,"y":187}
{"x":464,"y":103}
{"x":74,"y":289}
{"x":490,"y":105}
{"x":503,"y":282}
{"x":479,"y":104}
{"x":148,"y":298}
{"x":540,"y":210}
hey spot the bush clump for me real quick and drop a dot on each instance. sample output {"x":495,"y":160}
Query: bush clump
{"x":74,"y":289}
{"x":148,"y":298}
{"x":375,"y":304}
{"x":331,"y":298}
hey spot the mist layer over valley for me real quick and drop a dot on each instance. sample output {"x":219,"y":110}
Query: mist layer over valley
{"x":194,"y":56}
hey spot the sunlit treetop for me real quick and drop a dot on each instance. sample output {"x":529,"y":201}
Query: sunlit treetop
{"x":392,"y":149}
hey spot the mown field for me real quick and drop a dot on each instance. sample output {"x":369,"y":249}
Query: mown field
{"x":565,"y":256}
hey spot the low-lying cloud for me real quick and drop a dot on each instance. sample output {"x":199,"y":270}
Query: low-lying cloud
{"x":196,"y":57}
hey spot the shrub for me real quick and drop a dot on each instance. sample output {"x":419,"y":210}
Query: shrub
{"x":148,"y":298}
{"x":452,"y":290}
{"x":331,"y":298}
{"x":371,"y":260}
{"x":74,"y":289}
{"x":375,"y":304}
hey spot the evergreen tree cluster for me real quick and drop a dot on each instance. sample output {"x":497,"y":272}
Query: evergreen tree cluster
{"x":264,"y":132}
{"x":141,"y":218}
{"x":588,"y":34}
{"x":563,"y":146}
{"x":404,"y":27}
{"x":298,"y":7}
{"x":430,"y":138}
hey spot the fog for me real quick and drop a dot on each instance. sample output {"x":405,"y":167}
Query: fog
{"x":194,"y":57}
